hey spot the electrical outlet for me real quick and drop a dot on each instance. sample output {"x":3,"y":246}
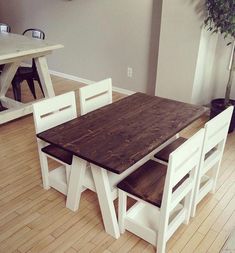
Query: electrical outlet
{"x":129,"y":72}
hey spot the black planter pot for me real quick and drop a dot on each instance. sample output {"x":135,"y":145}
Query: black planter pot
{"x":217,"y":106}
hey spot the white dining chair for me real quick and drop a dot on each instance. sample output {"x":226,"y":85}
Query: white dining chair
{"x":216,"y":131}
{"x":164,"y":194}
{"x":92,"y":97}
{"x":96,"y":95}
{"x":49,"y":113}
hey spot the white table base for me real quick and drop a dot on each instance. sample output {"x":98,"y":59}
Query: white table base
{"x":105,"y":187}
{"x":17,"y":109}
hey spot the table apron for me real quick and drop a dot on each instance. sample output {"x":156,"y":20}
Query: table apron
{"x":25,"y":57}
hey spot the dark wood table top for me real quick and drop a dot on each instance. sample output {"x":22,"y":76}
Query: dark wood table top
{"x":118,"y":135}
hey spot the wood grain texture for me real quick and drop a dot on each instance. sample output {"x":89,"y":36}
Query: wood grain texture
{"x":146,"y":183}
{"x":165,"y":152}
{"x":58,"y":153}
{"x":134,"y":126}
{"x":16,"y":45}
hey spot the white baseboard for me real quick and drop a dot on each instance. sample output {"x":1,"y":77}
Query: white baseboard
{"x":86,"y":81}
{"x":71,"y":77}
{"x":123,"y":91}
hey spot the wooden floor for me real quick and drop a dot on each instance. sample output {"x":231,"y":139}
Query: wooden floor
{"x":36,"y":220}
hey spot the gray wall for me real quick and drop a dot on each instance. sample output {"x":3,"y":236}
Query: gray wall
{"x":192,"y":63}
{"x":221,"y":68}
{"x":178,"y":51}
{"x":101,"y":38}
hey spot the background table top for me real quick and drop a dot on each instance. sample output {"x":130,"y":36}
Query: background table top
{"x":16,"y":45}
{"x":118,"y":135}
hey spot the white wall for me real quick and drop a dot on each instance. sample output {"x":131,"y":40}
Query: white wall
{"x":101,"y":38}
{"x":178,"y":49}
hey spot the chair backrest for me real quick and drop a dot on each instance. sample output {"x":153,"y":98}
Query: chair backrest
{"x":5,"y":28}
{"x":181,"y":177}
{"x":95,"y":95}
{"x":54,"y":111}
{"x":35,"y":33}
{"x":216,"y":131}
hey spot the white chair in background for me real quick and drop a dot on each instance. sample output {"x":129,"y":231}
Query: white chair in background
{"x":49,"y":113}
{"x":163,"y":194}
{"x":95,"y":95}
{"x":216,"y":131}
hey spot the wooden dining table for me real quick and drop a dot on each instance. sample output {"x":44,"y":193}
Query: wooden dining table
{"x":15,"y":49}
{"x":116,"y":139}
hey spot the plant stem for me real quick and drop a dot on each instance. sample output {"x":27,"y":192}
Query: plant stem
{"x":230,"y":78}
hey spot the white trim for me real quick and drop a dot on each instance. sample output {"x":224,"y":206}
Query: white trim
{"x":71,"y":77}
{"x":86,"y":81}
{"x":123,"y":91}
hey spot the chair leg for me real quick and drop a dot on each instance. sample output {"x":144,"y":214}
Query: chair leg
{"x":215,"y":176}
{"x":194,"y":207}
{"x":161,"y":247}
{"x":16,"y":90}
{"x":121,"y":210}
{"x":31,"y":87}
{"x":1,"y":106}
{"x":40,"y":85}
{"x":196,"y":194}
{"x":67,"y":171}
{"x":188,"y":205}
{"x":161,"y":242}
{"x":44,"y":165}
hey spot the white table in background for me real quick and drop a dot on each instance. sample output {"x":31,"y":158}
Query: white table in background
{"x":14,"y":49}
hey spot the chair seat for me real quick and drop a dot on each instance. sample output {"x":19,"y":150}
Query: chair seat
{"x":24,"y":73}
{"x":165,"y":152}
{"x":146,"y":183}
{"x":25,"y":70}
{"x":58,"y":153}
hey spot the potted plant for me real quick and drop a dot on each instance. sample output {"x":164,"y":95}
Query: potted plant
{"x":220,"y":18}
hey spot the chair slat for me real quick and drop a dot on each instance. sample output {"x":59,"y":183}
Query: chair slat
{"x":54,"y":111}
{"x":95,"y":95}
